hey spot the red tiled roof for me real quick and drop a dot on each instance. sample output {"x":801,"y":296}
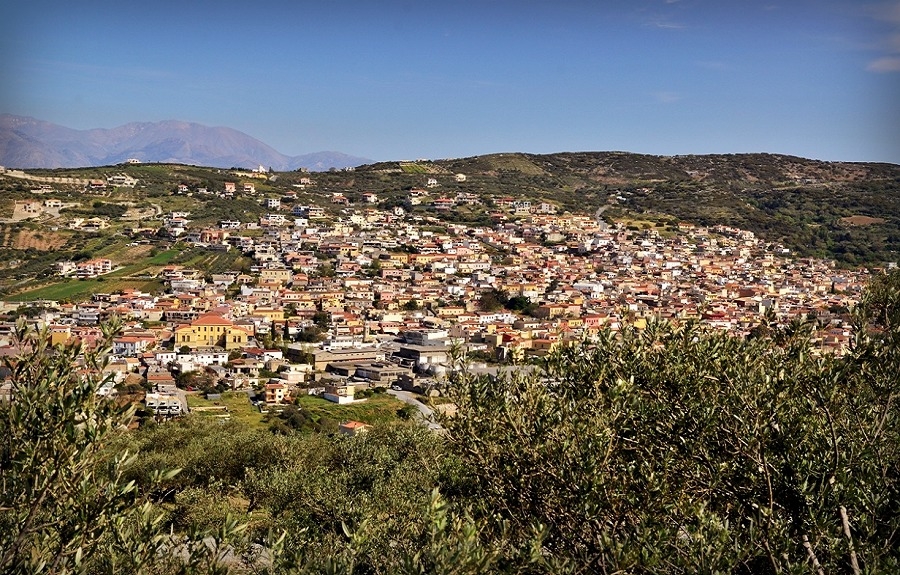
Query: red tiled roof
{"x":210,"y":319}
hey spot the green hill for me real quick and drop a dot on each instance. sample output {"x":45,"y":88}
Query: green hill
{"x":846,"y":211}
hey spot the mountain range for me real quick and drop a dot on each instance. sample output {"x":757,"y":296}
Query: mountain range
{"x":30,"y":143}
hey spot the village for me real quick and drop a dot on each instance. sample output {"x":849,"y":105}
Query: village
{"x":369,"y":298}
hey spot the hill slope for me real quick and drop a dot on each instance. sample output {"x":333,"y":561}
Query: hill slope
{"x":848,"y":211}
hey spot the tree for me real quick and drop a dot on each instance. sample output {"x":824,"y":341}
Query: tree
{"x":678,"y":449}
{"x":492,"y":299}
{"x":521,"y":303}
{"x":374,"y":268}
{"x":322,"y":319}
{"x":64,"y":502}
{"x":55,"y":507}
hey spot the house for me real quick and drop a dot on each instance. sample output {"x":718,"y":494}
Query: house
{"x":277,"y":275}
{"x":339,"y":394}
{"x":425,"y":357}
{"x":163,"y":404}
{"x":93,"y":268}
{"x":121,"y":181}
{"x":352,"y":428}
{"x":211,"y":330}
{"x":132,"y":345}
{"x":29,"y":207}
{"x":443,"y":204}
{"x":276,"y":393}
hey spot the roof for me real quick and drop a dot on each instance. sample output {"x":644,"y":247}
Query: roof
{"x":354,"y":425}
{"x":210,"y":319}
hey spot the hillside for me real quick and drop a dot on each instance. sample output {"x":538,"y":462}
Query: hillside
{"x":849,"y":212}
{"x":30,"y":143}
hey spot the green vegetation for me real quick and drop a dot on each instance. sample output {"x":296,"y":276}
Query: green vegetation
{"x":667,"y":450}
{"x":378,"y":409}
{"x":77,"y":290}
{"x":140,"y":275}
{"x":163,"y":258}
{"x":237,"y":407}
{"x":845,"y":211}
{"x":414,"y":168}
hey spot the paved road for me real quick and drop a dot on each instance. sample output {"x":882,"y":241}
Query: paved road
{"x":426,"y":413}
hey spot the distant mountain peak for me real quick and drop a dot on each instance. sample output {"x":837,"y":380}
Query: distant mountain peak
{"x":27,"y":142}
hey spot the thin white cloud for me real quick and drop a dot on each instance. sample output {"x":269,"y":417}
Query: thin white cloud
{"x":886,"y":11}
{"x":886,"y":64}
{"x":889,"y":61}
{"x":666,"y":24}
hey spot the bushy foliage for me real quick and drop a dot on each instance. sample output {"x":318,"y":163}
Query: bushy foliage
{"x":674,"y":449}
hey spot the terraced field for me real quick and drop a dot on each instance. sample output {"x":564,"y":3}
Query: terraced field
{"x":139,"y":272}
{"x":80,"y":290}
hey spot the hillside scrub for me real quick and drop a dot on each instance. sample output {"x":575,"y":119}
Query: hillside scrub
{"x":669,"y":450}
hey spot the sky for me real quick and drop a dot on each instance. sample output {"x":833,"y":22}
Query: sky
{"x":409,"y":79}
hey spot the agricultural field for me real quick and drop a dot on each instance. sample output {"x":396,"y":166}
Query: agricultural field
{"x":71,"y":289}
{"x":32,"y":239}
{"x":377,"y":409}
{"x":136,"y":267}
{"x":237,"y":405}
{"x":413,"y":168}
{"x":380,"y":408}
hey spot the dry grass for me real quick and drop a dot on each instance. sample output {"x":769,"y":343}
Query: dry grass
{"x":39,"y":240}
{"x":862,"y":220}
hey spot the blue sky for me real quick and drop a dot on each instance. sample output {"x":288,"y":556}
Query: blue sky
{"x":393,"y":80}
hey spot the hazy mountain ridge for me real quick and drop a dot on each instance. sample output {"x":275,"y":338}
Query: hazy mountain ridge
{"x":31,"y":143}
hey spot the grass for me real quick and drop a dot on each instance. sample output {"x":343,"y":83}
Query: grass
{"x":75,"y":290}
{"x":131,"y":276}
{"x":375,"y":410}
{"x":379,"y":408}
{"x":413,"y":168}
{"x":239,"y":407}
{"x":163,"y":258}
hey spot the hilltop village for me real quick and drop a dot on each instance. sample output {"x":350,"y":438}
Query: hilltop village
{"x":336,"y":304}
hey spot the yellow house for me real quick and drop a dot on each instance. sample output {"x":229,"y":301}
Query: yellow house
{"x":542,"y":347}
{"x":60,"y":334}
{"x":211,"y":330}
{"x":271,"y":314}
{"x":281,"y":275}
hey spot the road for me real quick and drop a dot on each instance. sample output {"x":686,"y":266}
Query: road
{"x":182,"y":396}
{"x":426,"y":413}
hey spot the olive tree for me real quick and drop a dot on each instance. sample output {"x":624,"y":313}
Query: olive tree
{"x":679,"y":449}
{"x":65,"y":505}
